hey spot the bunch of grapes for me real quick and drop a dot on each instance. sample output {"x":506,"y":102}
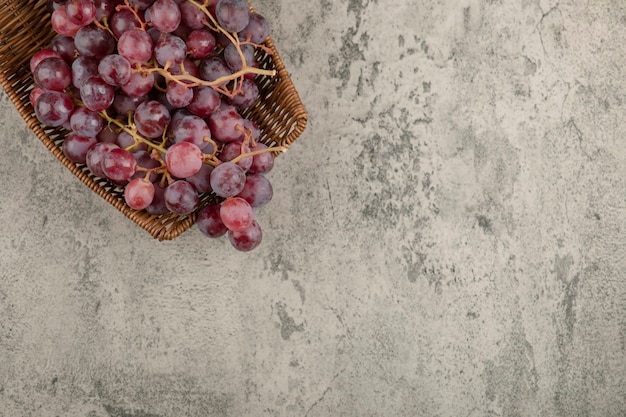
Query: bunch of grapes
{"x":151,"y":92}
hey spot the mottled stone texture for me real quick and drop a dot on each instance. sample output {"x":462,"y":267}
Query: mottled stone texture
{"x":446,"y":239}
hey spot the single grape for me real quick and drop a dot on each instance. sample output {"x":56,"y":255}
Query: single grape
{"x":104,"y":9}
{"x":80,"y":12}
{"x":233,"y":59}
{"x":232,"y":15}
{"x":205,"y":101}
{"x":214,"y":68}
{"x":232,"y":150}
{"x":95,"y":155}
{"x":123,"y":20}
{"x":183,"y":159}
{"x":145,"y":160}
{"x":53,"y":108}
{"x":263,"y":162}
{"x":201,"y":180}
{"x":209,"y":221}
{"x":53,"y":74}
{"x":191,"y":15}
{"x":178,"y":95}
{"x":248,"y":239}
{"x":181,"y":198}
{"x":75,"y":147}
{"x":123,"y":104}
{"x":170,"y":49}
{"x":151,"y":118}
{"x":138,"y":85}
{"x":164,"y":15}
{"x":227,"y":179}
{"x":158,"y":207}
{"x":93,"y":41}
{"x":236,"y":214}
{"x":191,"y":128}
{"x":258,"y":190}
{"x":114,"y":69}
{"x":258,"y":29}
{"x":62,"y":24}
{"x":64,"y":45}
{"x":136,"y":46}
{"x":118,"y":165}
{"x":82,"y":68}
{"x":200,"y":43}
{"x":139,"y":193}
{"x":108,"y":134}
{"x":85,"y":122}
{"x":226,"y":125}
{"x":96,"y":94}
{"x":247,"y":94}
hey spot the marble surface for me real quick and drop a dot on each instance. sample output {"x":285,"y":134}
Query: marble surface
{"x":447,"y":237}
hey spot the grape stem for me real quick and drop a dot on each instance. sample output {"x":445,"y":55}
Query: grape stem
{"x":187,"y":80}
{"x":131,"y":129}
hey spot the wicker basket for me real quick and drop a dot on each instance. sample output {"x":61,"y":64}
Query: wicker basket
{"x":25,"y":28}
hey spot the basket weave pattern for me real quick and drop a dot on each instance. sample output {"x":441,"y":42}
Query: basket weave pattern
{"x":25,"y":28}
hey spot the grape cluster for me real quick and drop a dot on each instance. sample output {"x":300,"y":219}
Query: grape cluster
{"x":151,"y":92}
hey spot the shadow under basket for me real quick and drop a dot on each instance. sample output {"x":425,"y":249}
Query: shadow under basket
{"x":25,"y":28}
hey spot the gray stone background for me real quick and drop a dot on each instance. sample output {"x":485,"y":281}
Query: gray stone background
{"x":445,"y":239}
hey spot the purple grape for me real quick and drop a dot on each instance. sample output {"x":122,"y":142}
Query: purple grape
{"x":178,"y":95}
{"x":114,"y":69}
{"x":191,"y":129}
{"x":53,"y":74}
{"x":232,"y":58}
{"x":85,"y":122}
{"x":151,"y":118}
{"x":64,"y":45}
{"x":181,"y":198}
{"x":200,"y":43}
{"x":263,"y":162}
{"x":75,"y":147}
{"x":82,"y":68}
{"x":118,"y":164}
{"x":205,"y":101}
{"x":248,"y":239}
{"x":96,"y":94}
{"x":170,"y":49}
{"x":123,"y":20}
{"x":246,"y":95}
{"x":212,"y":68}
{"x":201,"y":180}
{"x":164,"y":15}
{"x":135,"y":45}
{"x":209,"y":221}
{"x":53,"y":108}
{"x":258,"y":190}
{"x":227,"y":179}
{"x":226,"y":125}
{"x":138,"y":85}
{"x":258,"y":29}
{"x":123,"y":104}
{"x":94,"y":42}
{"x":80,"y":12}
{"x":232,"y":15}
